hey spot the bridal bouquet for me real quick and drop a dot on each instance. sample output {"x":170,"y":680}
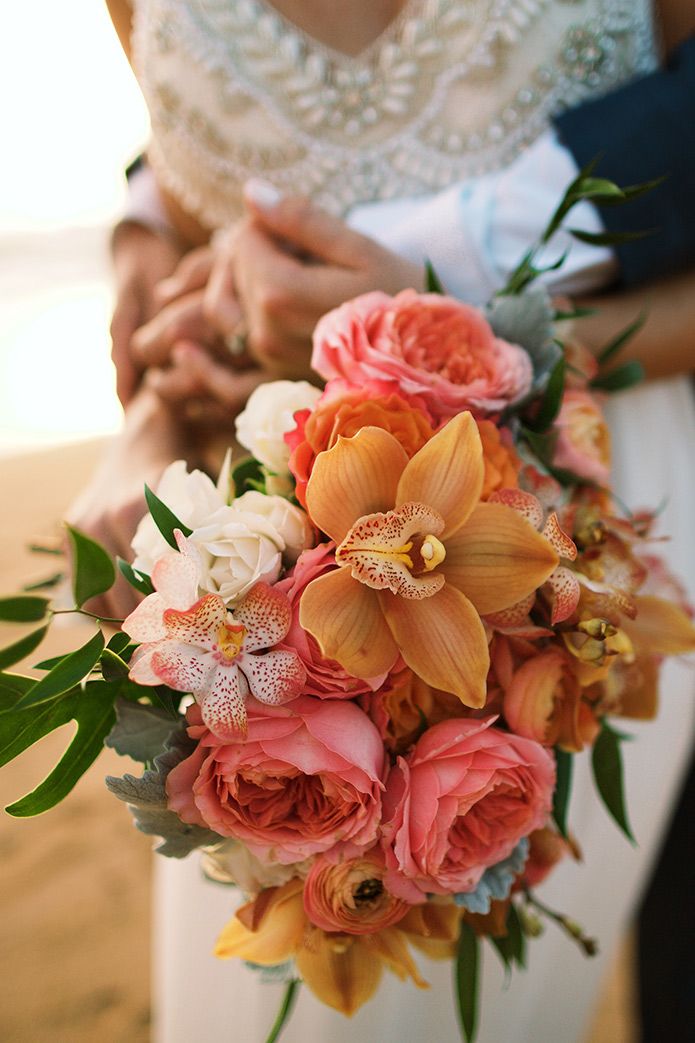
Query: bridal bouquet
{"x":365,"y":659}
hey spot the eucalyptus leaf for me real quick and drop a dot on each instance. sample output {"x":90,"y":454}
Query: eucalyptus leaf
{"x":48,"y":664}
{"x":140,"y":731}
{"x":433,"y":284}
{"x":19,"y":650}
{"x":564,"y":763}
{"x":139,"y":580}
{"x":165,"y":519}
{"x":29,"y":609}
{"x":12,"y":688}
{"x":466,"y":980}
{"x":72,"y":669}
{"x":607,"y":766}
{"x":93,"y":570}
{"x":147,"y":799}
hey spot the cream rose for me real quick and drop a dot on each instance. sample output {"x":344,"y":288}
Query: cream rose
{"x":237,"y":549}
{"x":231,"y":862}
{"x":192,"y":497}
{"x":268,"y":415}
{"x":291,"y":522}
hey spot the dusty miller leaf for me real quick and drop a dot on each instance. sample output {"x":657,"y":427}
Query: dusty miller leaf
{"x":140,"y":731}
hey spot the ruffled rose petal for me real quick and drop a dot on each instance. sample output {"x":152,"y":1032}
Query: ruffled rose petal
{"x":275,"y":677}
{"x":442,"y":639}
{"x":198,"y":625}
{"x":175,"y":576}
{"x":183,"y":668}
{"x":223,"y":707}
{"x":565,"y":594}
{"x":145,"y":623}
{"x":266,"y":614}
{"x":447,"y":473}
{"x":357,"y":476}
{"x":344,"y":617}
{"x":373,"y":550}
{"x":497,"y":558}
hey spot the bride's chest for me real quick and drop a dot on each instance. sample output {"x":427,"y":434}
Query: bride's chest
{"x":450,"y":88}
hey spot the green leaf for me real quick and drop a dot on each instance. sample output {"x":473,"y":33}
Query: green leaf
{"x":140,"y":580}
{"x":113,"y":668}
{"x":45,"y":584}
{"x":466,"y":978}
{"x":246,"y":475}
{"x":625,"y":376}
{"x":631,"y":192}
{"x":165,"y":520}
{"x":67,"y":673}
{"x":575,"y":313}
{"x":433,"y":283}
{"x":563,"y":787}
{"x":607,"y":766}
{"x":609,"y":238}
{"x":118,"y":643}
{"x":22,"y":648}
{"x":552,"y":398}
{"x":12,"y":688}
{"x":48,"y":664}
{"x":23,"y":609}
{"x":94,"y":717}
{"x":512,"y":946}
{"x":614,"y":346}
{"x":93,"y":571}
{"x":140,"y":731}
{"x":596,"y":187}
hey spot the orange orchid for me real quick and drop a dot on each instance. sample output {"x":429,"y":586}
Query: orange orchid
{"x":421,"y":558}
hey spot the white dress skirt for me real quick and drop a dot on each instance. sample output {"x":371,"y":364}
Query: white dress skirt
{"x":202,"y":999}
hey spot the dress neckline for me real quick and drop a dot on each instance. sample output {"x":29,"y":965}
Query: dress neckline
{"x":337,"y":57}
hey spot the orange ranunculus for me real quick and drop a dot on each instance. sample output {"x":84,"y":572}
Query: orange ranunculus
{"x":343,"y":410}
{"x":421,"y":558}
{"x":405,"y":705}
{"x":501,"y":463}
{"x":544,"y":702}
{"x":349,"y":897}
{"x":342,"y":970}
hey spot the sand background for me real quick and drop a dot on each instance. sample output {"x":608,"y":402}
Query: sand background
{"x":75,"y":894}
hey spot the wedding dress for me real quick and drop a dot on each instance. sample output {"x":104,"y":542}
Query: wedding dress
{"x":449,"y":92}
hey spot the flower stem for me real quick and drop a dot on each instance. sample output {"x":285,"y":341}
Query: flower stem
{"x":285,"y":1010}
{"x":84,"y":612}
{"x":568,"y":926}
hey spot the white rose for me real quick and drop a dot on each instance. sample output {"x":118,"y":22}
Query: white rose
{"x":237,"y":549}
{"x":291,"y":522}
{"x":231,"y":862}
{"x":192,"y":497}
{"x":268,"y":415}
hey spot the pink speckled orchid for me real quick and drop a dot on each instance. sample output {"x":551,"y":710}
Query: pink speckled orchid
{"x":195,"y":644}
{"x":421,"y":558}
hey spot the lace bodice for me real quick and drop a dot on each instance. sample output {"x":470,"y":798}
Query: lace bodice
{"x":450,"y":89}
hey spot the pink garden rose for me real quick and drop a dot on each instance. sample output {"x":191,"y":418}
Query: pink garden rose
{"x":307,"y":780}
{"x":427,"y":345}
{"x":460,"y":802}
{"x":583,"y":439}
{"x":324,"y":677}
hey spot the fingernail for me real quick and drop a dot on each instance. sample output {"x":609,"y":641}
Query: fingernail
{"x":261,"y":193}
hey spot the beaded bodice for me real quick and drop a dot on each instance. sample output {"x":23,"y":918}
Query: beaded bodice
{"x":452,"y":88}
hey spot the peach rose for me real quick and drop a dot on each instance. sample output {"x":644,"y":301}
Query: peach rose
{"x":583,"y":439}
{"x":324,"y":677}
{"x":350,"y":896}
{"x":545,"y":702}
{"x":343,"y":410}
{"x":307,"y":779}
{"x":501,"y":463}
{"x":459,"y":803}
{"x":435,"y":347}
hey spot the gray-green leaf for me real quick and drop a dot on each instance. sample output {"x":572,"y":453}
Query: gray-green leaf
{"x":527,"y":319}
{"x":140,"y":731}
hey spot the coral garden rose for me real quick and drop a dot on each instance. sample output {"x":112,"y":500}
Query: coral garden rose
{"x":428,"y":345}
{"x":350,"y":896}
{"x":459,"y":803}
{"x":306,"y":780}
{"x":583,"y":439}
{"x":325,"y":678}
{"x":500,"y":461}
{"x":343,"y":410}
{"x":268,"y":414}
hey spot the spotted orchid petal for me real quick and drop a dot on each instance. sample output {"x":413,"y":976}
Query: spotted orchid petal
{"x":266,"y":614}
{"x":358,"y":476}
{"x":146,"y":622}
{"x":558,"y":538}
{"x":447,"y":473}
{"x":141,"y":670}
{"x":223,"y":707}
{"x":274,"y":677}
{"x":345,"y":619}
{"x":497,"y":558}
{"x":183,"y":668}
{"x":442,"y":639}
{"x":525,"y":504}
{"x":381,"y":554}
{"x":198,"y":625}
{"x":566,"y":590}
{"x":175,"y":576}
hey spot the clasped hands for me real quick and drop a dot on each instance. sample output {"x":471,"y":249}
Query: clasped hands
{"x":272,"y":274}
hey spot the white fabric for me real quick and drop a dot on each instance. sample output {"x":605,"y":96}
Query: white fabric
{"x":144,"y":203}
{"x":202,"y":999}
